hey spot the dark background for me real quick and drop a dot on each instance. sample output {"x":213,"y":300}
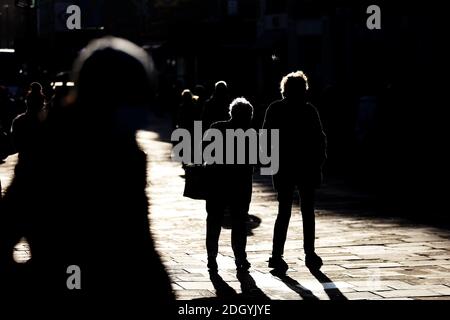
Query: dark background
{"x":381,"y":93}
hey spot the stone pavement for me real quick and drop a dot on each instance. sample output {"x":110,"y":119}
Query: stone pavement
{"x":364,"y":257}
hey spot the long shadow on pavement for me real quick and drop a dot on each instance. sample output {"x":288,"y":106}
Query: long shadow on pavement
{"x":295,"y":286}
{"x":330,"y":288}
{"x":223,"y":289}
{"x":249,"y":288}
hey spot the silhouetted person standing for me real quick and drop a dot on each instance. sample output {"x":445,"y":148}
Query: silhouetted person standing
{"x":231,"y":189}
{"x":5,"y":122}
{"x":302,"y":154}
{"x":7,"y":109}
{"x":80,"y":198}
{"x":26,"y":126}
{"x":189,"y":111}
{"x":216,"y":108}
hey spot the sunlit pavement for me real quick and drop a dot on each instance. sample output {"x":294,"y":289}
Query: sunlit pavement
{"x":364,"y":258}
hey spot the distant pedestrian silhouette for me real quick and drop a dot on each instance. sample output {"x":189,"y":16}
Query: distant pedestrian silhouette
{"x":231,"y":190}
{"x":302,"y":154}
{"x":216,"y":108}
{"x":200,"y":93}
{"x":7,"y":109}
{"x":189,"y":111}
{"x":80,"y":198}
{"x":26,"y":126}
{"x":6,"y":117}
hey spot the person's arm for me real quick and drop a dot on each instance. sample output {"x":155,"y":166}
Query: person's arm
{"x":268,"y":121}
{"x":321,"y":137}
{"x":207,"y":135}
{"x":17,"y":134}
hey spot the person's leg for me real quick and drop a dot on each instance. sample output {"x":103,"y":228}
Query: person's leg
{"x":239,"y":217}
{"x":307,"y":204}
{"x":285,"y":198}
{"x":215,"y":212}
{"x":307,"y":197}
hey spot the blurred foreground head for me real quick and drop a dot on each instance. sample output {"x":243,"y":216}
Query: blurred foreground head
{"x":112,"y":73}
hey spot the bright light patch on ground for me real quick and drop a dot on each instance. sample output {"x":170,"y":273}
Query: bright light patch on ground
{"x":22,"y":252}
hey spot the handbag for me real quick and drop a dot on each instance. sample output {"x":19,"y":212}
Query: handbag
{"x":196,"y":182}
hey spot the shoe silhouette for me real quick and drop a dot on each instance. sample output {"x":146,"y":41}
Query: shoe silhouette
{"x":212,"y":265}
{"x":242,"y":265}
{"x":278,"y":264}
{"x":313,"y":261}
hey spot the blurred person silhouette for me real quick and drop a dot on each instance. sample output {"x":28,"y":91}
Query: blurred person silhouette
{"x":216,"y":108}
{"x":5,"y":145}
{"x":200,"y":92}
{"x":80,"y":199}
{"x":5,"y":123}
{"x":188,"y":113}
{"x":302,"y":155}
{"x":6,"y":109}
{"x":25,"y":127}
{"x":231,"y":190}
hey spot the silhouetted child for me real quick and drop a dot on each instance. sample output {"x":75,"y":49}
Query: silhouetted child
{"x":302,"y":154}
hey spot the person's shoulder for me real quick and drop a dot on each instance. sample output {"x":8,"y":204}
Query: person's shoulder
{"x":275,"y":106}
{"x":277,"y":103}
{"x":19,"y":119}
{"x":312,"y":108}
{"x":310,"y":105}
{"x":220,"y":125}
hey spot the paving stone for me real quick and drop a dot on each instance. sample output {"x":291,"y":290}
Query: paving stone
{"x":406,"y":293}
{"x":362,"y":296}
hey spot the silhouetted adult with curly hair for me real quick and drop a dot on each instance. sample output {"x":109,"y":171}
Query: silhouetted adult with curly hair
{"x":302,"y":154}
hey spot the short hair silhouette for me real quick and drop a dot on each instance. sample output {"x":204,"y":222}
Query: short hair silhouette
{"x":221,"y":88}
{"x":35,"y":99}
{"x":35,"y":88}
{"x":241,"y":108}
{"x":221,"y":85}
{"x":187,"y":96}
{"x":293,"y":84}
